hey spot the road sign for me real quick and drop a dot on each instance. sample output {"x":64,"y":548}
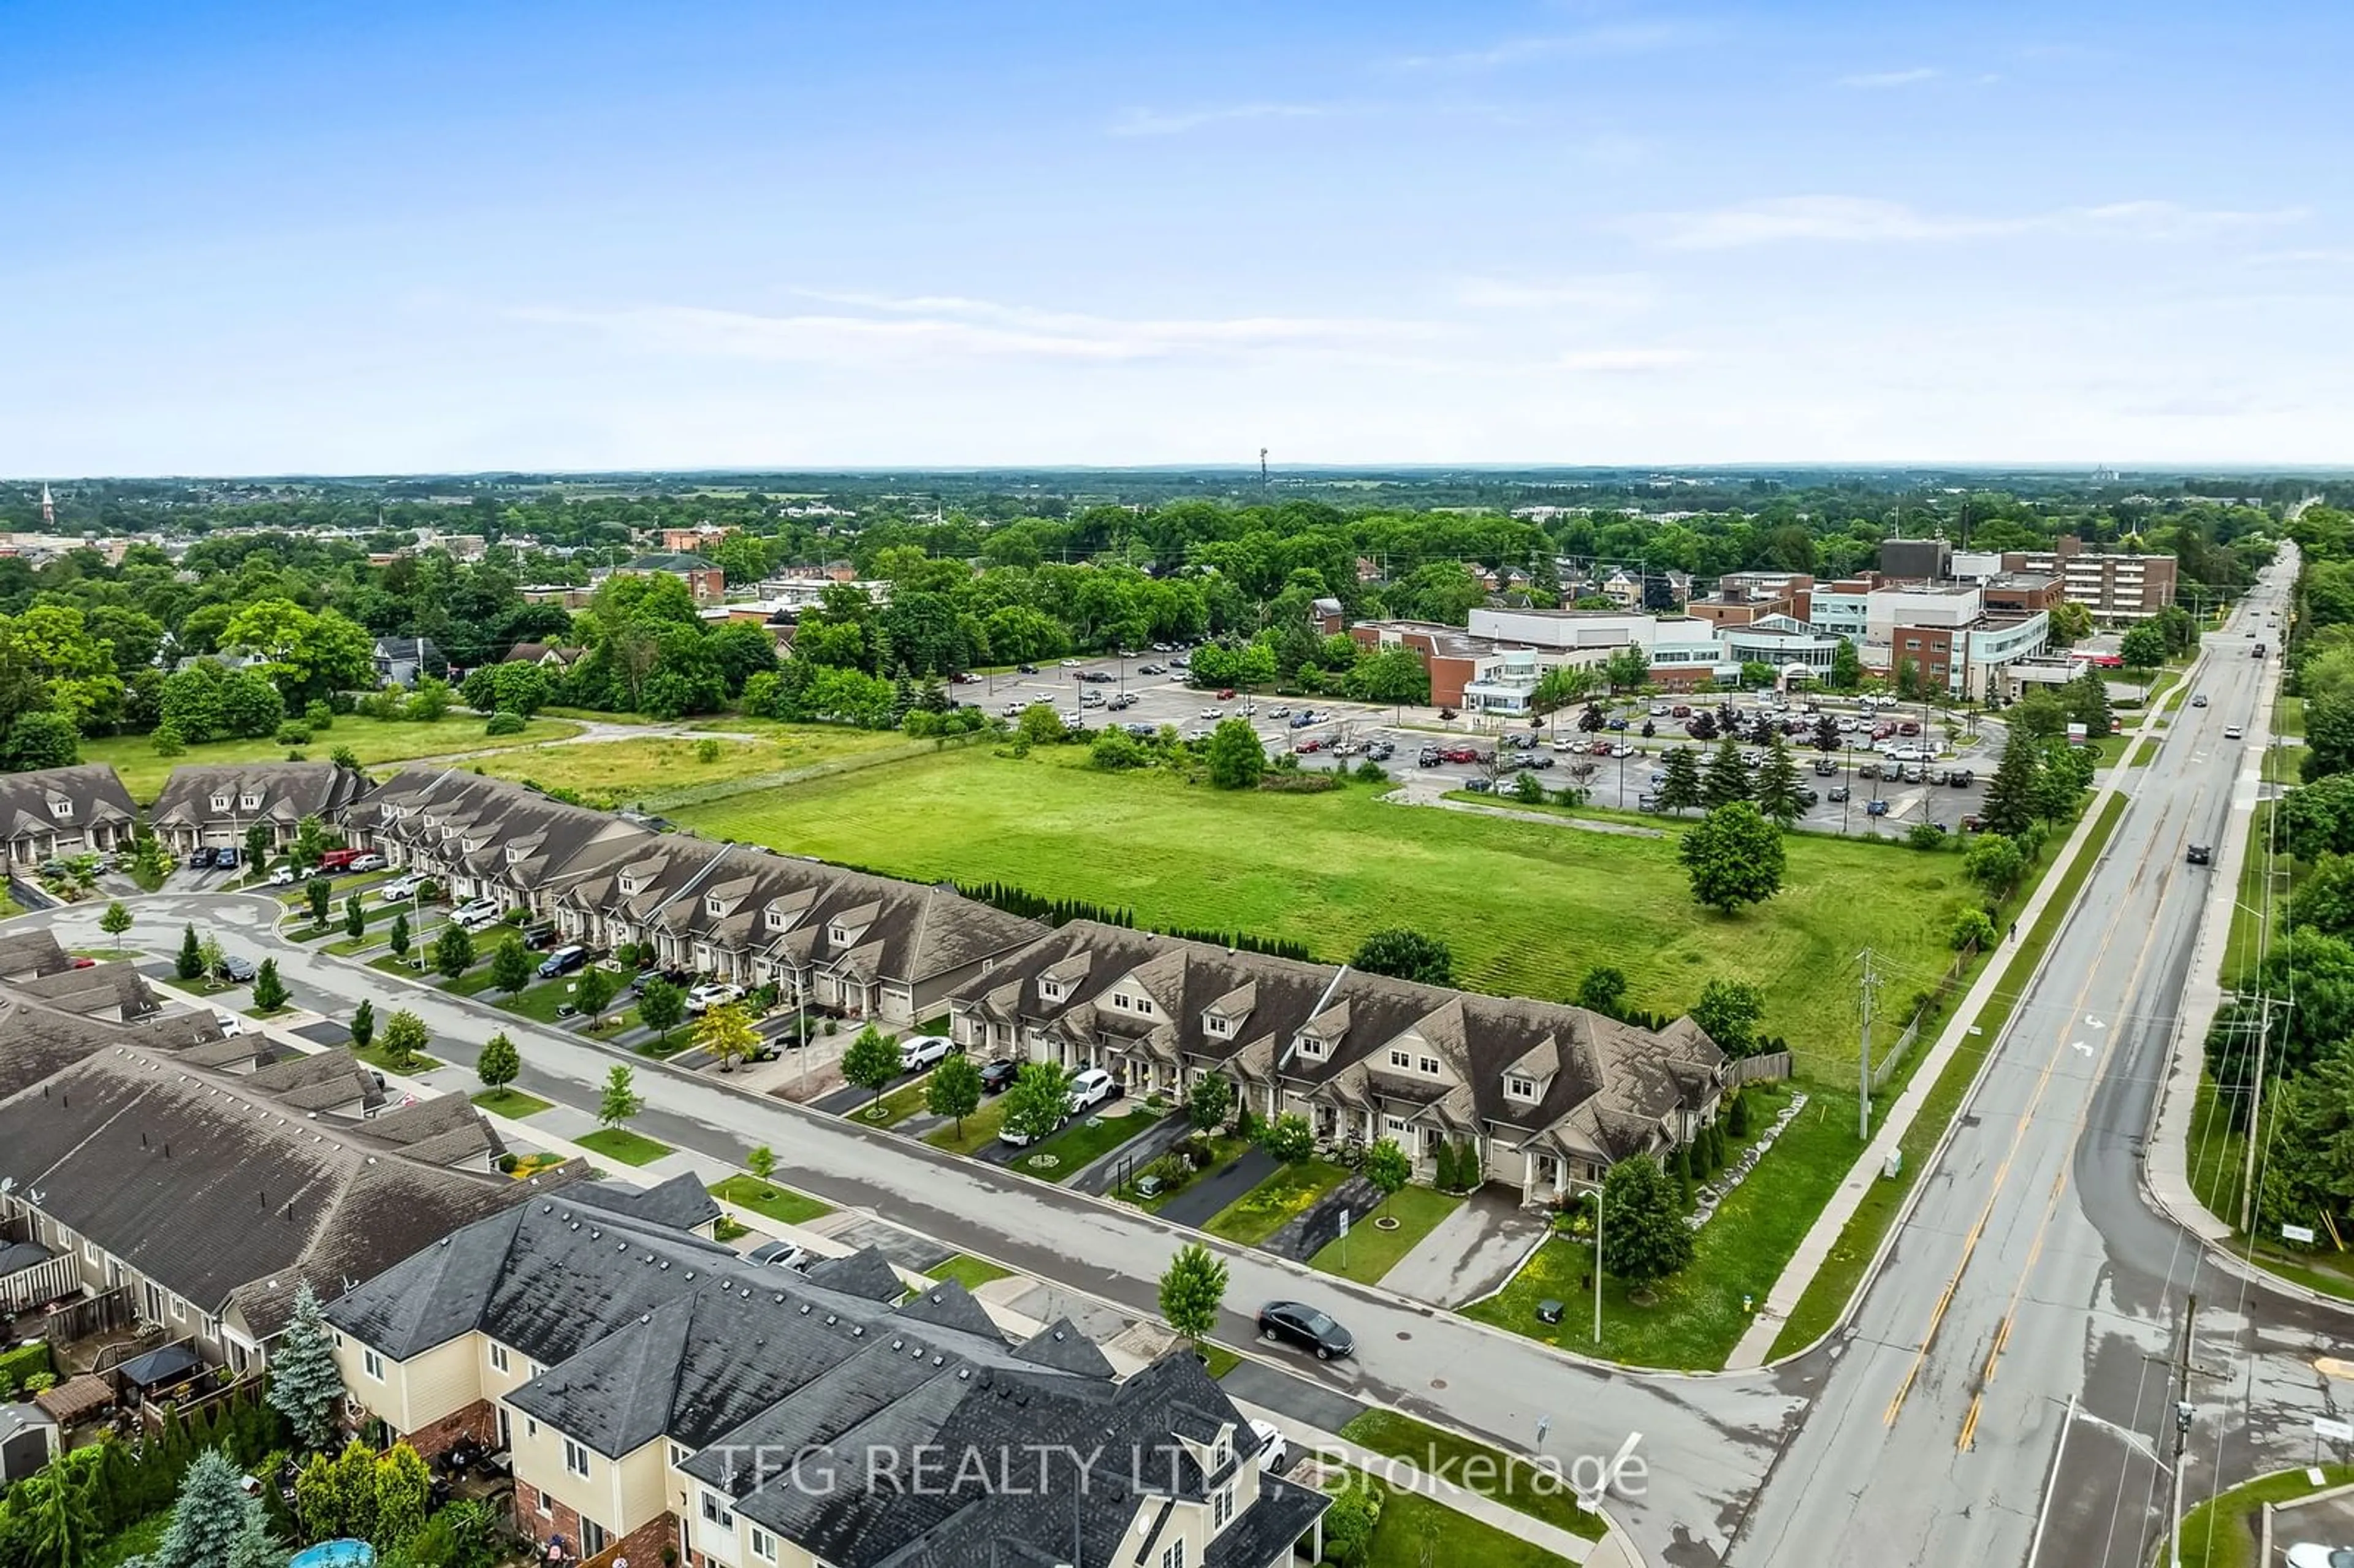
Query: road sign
{"x":1344,"y":1221}
{"x":2301,"y":1234}
{"x":2333,"y":1431}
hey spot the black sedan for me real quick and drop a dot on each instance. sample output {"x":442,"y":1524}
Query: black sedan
{"x":998,"y":1077}
{"x":1304,"y":1326}
{"x":236,"y":970}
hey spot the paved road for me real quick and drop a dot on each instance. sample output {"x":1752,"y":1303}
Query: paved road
{"x":1706,"y":1441}
{"x":2033,"y":1269}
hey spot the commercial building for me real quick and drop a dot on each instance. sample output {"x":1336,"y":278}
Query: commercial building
{"x":2115,"y":588}
{"x":1742,"y":599}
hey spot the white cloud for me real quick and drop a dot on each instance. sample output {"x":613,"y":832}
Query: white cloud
{"x":1176,"y":122}
{"x":1616,"y":291}
{"x":1862,"y":219}
{"x":1625,"y":361}
{"x":1621,"y":38}
{"x":1890,"y":78}
{"x":946,"y":327}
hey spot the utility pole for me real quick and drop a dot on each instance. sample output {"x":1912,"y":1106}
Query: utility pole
{"x":2264,"y":1030}
{"x":2180,"y":1369}
{"x":1863,"y":1060}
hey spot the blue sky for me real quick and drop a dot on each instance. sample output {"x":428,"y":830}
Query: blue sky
{"x":338,"y":239}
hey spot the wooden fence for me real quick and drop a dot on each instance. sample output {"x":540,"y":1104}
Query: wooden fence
{"x":1752,"y":1069}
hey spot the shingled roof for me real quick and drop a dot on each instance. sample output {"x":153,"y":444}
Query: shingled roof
{"x":63,"y":800}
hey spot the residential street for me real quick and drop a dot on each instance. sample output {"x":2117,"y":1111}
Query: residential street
{"x":2031,"y":1269}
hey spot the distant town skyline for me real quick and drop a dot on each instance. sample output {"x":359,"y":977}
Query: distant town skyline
{"x":910,"y":235}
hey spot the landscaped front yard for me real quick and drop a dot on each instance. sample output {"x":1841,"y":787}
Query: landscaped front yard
{"x":1327,"y":869}
{"x":1369,"y":1251}
{"x":892,"y":1109}
{"x":1283,"y":1197}
{"x":509,"y":1102}
{"x":971,"y":1272}
{"x":979,"y":1130}
{"x":1085,"y":1141}
{"x":781,"y":1204}
{"x":1695,"y":1318}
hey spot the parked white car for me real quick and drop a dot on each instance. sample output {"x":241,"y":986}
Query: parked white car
{"x":400,"y":889}
{"x":717,"y":993}
{"x":1274,"y":1450}
{"x":232,"y":1024}
{"x":1090,"y":1088}
{"x":478,"y":915}
{"x":283,"y":877}
{"x":919,"y":1053}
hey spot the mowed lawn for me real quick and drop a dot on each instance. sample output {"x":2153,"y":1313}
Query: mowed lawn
{"x":625,"y":771}
{"x":373,"y":740}
{"x":1527,"y":907}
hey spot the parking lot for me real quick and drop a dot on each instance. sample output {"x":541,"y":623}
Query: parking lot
{"x":1622,"y":760}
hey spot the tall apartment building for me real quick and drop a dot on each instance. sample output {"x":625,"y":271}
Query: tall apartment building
{"x":2113,"y":587}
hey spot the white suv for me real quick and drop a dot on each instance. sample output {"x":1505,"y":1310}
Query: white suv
{"x":479,"y":914}
{"x":1090,"y":1088}
{"x":717,"y":993}
{"x":918,"y":1052}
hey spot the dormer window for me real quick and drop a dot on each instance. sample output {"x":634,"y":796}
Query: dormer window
{"x":248,"y":803}
{"x":221,"y":802}
{"x":1051,"y":990}
{"x":778,"y":920}
{"x":516,"y":853}
{"x":1401,"y":1058}
{"x":632,"y":886}
{"x":1214,"y":1025}
{"x":1308,"y":1045}
{"x":715,"y":905}
{"x":61,"y":809}
{"x":1519,"y":1087}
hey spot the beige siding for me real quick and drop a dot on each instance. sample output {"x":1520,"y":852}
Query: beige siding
{"x":538,"y":1450}
{"x":418,"y":1392}
{"x":639,"y":1479}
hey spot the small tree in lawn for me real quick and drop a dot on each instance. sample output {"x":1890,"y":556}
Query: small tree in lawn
{"x":362,"y":1024}
{"x":453,"y":951}
{"x":661,"y":1005}
{"x":310,"y":843}
{"x":405,"y":1036}
{"x":498,"y":1064}
{"x":954,"y":1089}
{"x":873,"y":1060}
{"x":1644,"y":1239}
{"x":511,"y":966}
{"x":212,"y":955}
{"x":1388,"y":1168}
{"x":727,"y":1033}
{"x":355,"y":918}
{"x":763,"y":1163}
{"x":1290,"y":1139}
{"x":320,"y":893}
{"x":620,"y":1100}
{"x":115,"y":922}
{"x":1729,"y":1012}
{"x":1192,"y":1289}
{"x":268,"y":991}
{"x":304,"y":1385}
{"x":593,"y":992}
{"x":1210,"y":1102}
{"x":258,"y":845}
{"x":189,"y":963}
{"x":397,"y":938}
{"x":1736,"y":1116}
{"x":1038,"y":1101}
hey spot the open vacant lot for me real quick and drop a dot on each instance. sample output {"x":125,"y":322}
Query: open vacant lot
{"x":1528,"y":907}
{"x":652,"y":770}
{"x":374,"y":740}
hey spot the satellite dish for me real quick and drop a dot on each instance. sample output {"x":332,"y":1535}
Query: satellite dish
{"x":7,"y":1183}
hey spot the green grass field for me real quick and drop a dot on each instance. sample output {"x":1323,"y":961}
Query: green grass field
{"x":2221,"y":1533}
{"x":1526,"y":906}
{"x":971,"y":1272}
{"x":1518,"y":1484}
{"x":620,"y":772}
{"x":375,"y":740}
{"x":1080,"y":1145}
{"x":979,"y":1127}
{"x":509,"y":1102}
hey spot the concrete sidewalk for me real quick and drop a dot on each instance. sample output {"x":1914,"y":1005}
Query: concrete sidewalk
{"x":1896,"y":1120}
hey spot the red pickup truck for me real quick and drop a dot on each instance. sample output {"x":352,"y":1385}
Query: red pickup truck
{"x":338,"y":860}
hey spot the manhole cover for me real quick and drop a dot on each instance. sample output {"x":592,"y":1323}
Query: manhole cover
{"x":1404,"y":1334}
{"x":1437,"y":1382}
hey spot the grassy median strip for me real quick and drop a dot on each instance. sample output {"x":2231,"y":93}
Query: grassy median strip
{"x":1476,"y":1467}
{"x":1369,"y":1252}
{"x":1281,"y":1198}
{"x":1825,"y":1295}
{"x":781,"y":1204}
{"x":971,"y":1272}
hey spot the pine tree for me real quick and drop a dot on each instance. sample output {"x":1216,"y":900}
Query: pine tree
{"x":1683,"y":1173}
{"x":268,"y":991}
{"x":1679,"y":790}
{"x":1736,"y":1116}
{"x":1728,"y":777}
{"x":190,"y":963}
{"x":2011,"y":796}
{"x":304,"y":1385}
{"x":362,"y":1024}
{"x":355,"y":1490}
{"x":1777,"y":786}
{"x":213,"y":1524}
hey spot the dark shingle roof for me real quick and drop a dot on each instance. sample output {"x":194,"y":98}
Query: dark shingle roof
{"x":682,"y":1203}
{"x":93,"y":792}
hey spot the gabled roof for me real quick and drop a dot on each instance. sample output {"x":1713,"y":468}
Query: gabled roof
{"x":682,"y":1203}
{"x":91,"y":792}
{"x":289,"y":792}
